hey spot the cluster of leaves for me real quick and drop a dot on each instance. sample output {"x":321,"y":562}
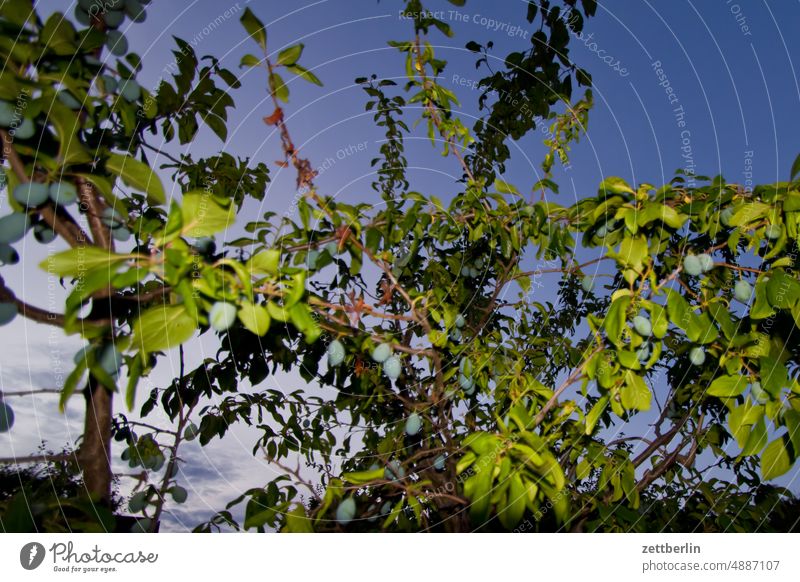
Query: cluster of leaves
{"x":454,"y":386}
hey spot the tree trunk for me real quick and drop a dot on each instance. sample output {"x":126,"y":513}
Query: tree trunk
{"x":95,"y":451}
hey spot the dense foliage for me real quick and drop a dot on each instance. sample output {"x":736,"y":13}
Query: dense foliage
{"x":462,"y":402}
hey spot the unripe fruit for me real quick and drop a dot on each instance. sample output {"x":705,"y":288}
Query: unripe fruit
{"x":335,"y":353}
{"x":130,"y":90}
{"x":8,"y":311}
{"x":479,"y":263}
{"x":455,"y":335}
{"x":643,"y":353}
{"x":386,"y":508}
{"x":394,"y":471}
{"x":6,"y":417}
{"x":137,"y":502}
{"x":179,"y":494}
{"x":63,"y":193}
{"x":135,"y":10}
{"x":68,"y":100}
{"x":742,"y":291}
{"x":438,"y":463}
{"x":117,"y":43}
{"x":413,"y":424}
{"x":109,"y":83}
{"x":392,"y":367}
{"x":460,"y":321}
{"x":43,"y":233}
{"x":587,"y":284}
{"x":121,"y":234}
{"x":82,"y":16}
{"x":222,"y":315}
{"x":381,"y":353}
{"x":332,"y":248}
{"x":142,"y":525}
{"x":13,"y":227}
{"x":758,"y":393}
{"x":113,"y":18}
{"x":7,"y":114}
{"x":110,"y":360}
{"x":191,"y":432}
{"x":602,"y":231}
{"x":697,"y":356}
{"x":706,"y":262}
{"x":642,"y":326}
{"x":25,"y":130}
{"x":126,"y":455}
{"x":31,"y":193}
{"x":205,"y":245}
{"x":466,"y":383}
{"x":306,"y":423}
{"x":465,"y":271}
{"x":346,"y":511}
{"x":473,"y":272}
{"x":725,"y":216}
{"x":692,"y":266}
{"x":311,"y":259}
{"x":773,"y":231}
{"x":8,"y":256}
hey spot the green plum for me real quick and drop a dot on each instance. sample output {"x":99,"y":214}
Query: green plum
{"x":465,"y":271}
{"x":394,"y":471}
{"x":179,"y":494}
{"x":121,"y":234}
{"x":602,"y":231}
{"x":222,"y":315}
{"x":392,"y":367}
{"x":706,"y":262}
{"x":743,"y":291}
{"x":26,"y":129}
{"x":130,"y":90}
{"x":455,"y":335}
{"x":692,"y":266}
{"x":7,"y":114}
{"x":336,"y":353}
{"x":642,"y":326}
{"x":439,"y":463}
{"x":82,"y":16}
{"x":587,"y":284}
{"x":725,"y":216}
{"x":109,"y":83}
{"x":311,"y":259}
{"x":142,"y":525}
{"x":13,"y":227}
{"x":346,"y":511}
{"x":63,"y":193}
{"x":643,"y":353}
{"x":697,"y":356}
{"x":31,"y":193}
{"x":110,"y":359}
{"x":43,"y":233}
{"x":381,"y":353}
{"x":114,"y":18}
{"x":8,"y":256}
{"x":6,"y":417}
{"x":67,"y":99}
{"x":190,"y":432}
{"x":773,"y":231}
{"x":460,"y":321}
{"x":466,"y":383}
{"x":759,"y":394}
{"x":117,"y":43}
{"x":8,"y":311}
{"x":332,"y":248}
{"x":413,"y":424}
{"x":137,"y":502}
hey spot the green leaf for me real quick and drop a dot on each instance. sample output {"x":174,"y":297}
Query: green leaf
{"x":616,"y":317}
{"x":249,"y":61}
{"x":634,"y":393}
{"x":254,"y":317}
{"x":290,"y":55}
{"x":505,"y":188}
{"x":594,"y":414}
{"x":727,"y":386}
{"x":80,"y":260}
{"x":254,"y":27}
{"x":137,"y":175}
{"x":304,"y":73}
{"x":681,"y":315}
{"x":775,"y":460}
{"x":163,"y":327}
{"x":203,"y":216}
{"x":615,"y":185}
{"x":757,"y":439}
{"x":264,"y":262}
{"x":361,"y":477}
{"x":278,"y":87}
{"x":297,"y":521}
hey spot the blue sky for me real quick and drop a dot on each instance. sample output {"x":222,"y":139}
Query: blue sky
{"x":731,"y":109}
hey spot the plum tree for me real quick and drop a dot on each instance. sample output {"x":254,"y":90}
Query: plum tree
{"x":518,"y":405}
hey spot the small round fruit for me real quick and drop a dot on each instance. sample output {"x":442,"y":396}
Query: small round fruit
{"x":455,"y":335}
{"x":465,"y":271}
{"x":31,"y":193}
{"x":8,"y":311}
{"x":109,"y":83}
{"x":121,"y":234}
{"x":7,"y":114}
{"x":466,"y":383}
{"x":460,"y":321}
{"x":692,"y":266}
{"x":479,"y":263}
{"x":63,"y":193}
{"x":759,"y":394}
{"x":706,"y":262}
{"x":386,"y":508}
{"x":113,"y":18}
{"x":142,"y":525}
{"x":473,"y":272}
{"x":117,"y":43}
{"x":697,"y":356}
{"x":394,"y":471}
{"x":126,"y":455}
{"x":13,"y":227}
{"x":222,"y":315}
{"x":643,"y":353}
{"x":311,"y":259}
{"x":332,"y":248}
{"x":743,"y":291}
{"x":8,"y":256}
{"x":413,"y":424}
{"x":306,"y":423}
{"x":725,"y":216}
{"x":6,"y":417}
{"x":190,"y":432}
{"x":602,"y":231}
{"x":82,"y":16}
{"x":642,"y":326}
{"x":392,"y":367}
{"x":179,"y":494}
{"x":587,"y":284}
{"x":205,"y":245}
{"x":336,"y":353}
{"x":25,"y":129}
{"x":43,"y":233}
{"x":381,"y":353}
{"x":137,"y":502}
{"x":438,"y":463}
{"x":109,"y":359}
{"x":773,"y":231}
{"x":67,"y":99}
{"x":346,"y":511}
{"x":130,"y":90}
